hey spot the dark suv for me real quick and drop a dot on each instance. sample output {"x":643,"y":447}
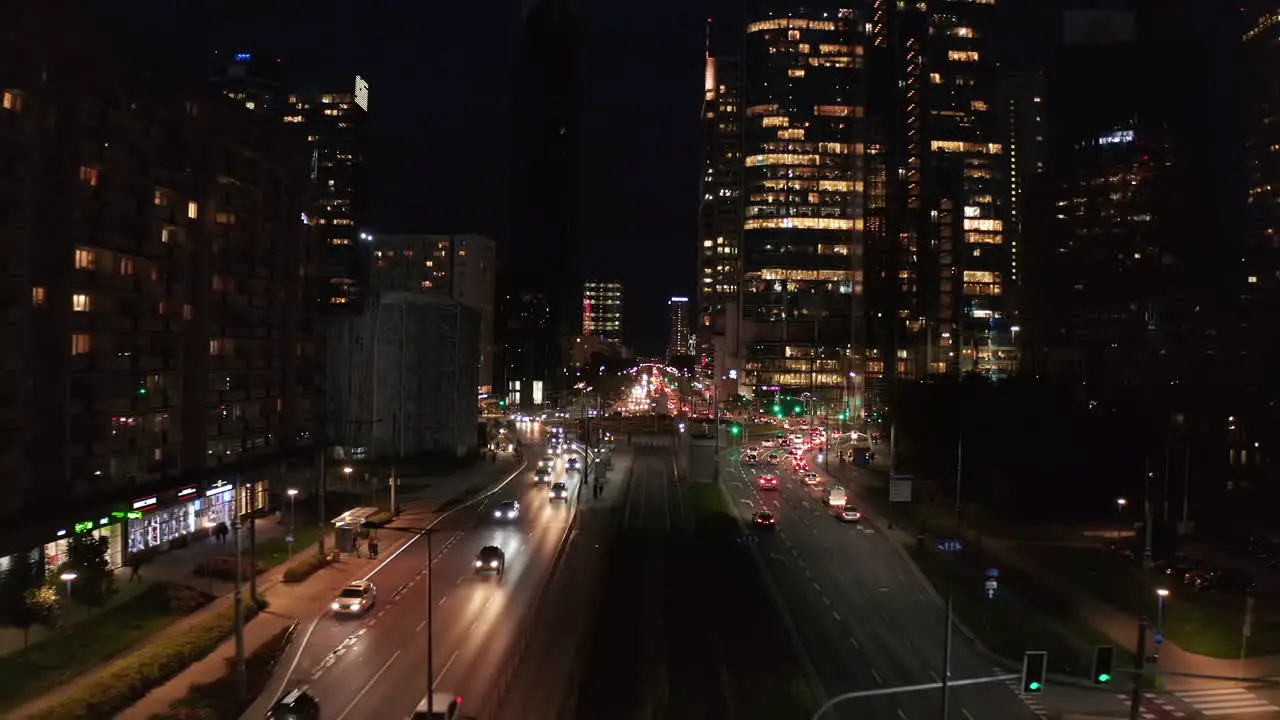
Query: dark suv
{"x":297,"y":705}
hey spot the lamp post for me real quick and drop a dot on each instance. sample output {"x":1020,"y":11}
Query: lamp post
{"x":1161,"y":594}
{"x":293,"y":517}
{"x":68,"y":578}
{"x":1120,"y":503}
{"x":346,"y":474}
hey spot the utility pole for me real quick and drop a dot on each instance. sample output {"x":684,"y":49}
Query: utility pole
{"x":1186,"y":486}
{"x":946,"y":665}
{"x":242,"y":680}
{"x":323,"y":519}
{"x":959,"y":474}
{"x":431,"y":672}
{"x":1146,"y":511}
{"x":1135,"y":704}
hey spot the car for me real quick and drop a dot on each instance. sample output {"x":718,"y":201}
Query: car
{"x":507,"y":510}
{"x":572,"y":463}
{"x":763,"y":520}
{"x":298,"y":704}
{"x":811,"y":478}
{"x":559,"y":491}
{"x":849,"y":513}
{"x":768,"y":482}
{"x":443,"y":706}
{"x":491,"y":559}
{"x":356,"y":598}
{"x":542,"y":475}
{"x":547,"y":462}
{"x":753,"y":459}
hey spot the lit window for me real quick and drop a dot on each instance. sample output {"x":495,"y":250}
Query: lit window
{"x":126,"y":266}
{"x":1252,"y":280}
{"x":215,"y":347}
{"x":962,"y":55}
{"x":11,"y":100}
{"x":224,"y":218}
{"x":160,"y":196}
{"x":37,"y":296}
{"x":186,"y":311}
{"x":193,"y":209}
{"x":795,"y":72}
{"x":80,"y":302}
{"x":86,"y":259}
{"x":168,"y":235}
{"x":935,"y":78}
{"x":89,"y":175}
{"x":81,"y":343}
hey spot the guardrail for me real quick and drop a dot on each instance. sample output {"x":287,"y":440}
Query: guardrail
{"x":529,"y":623}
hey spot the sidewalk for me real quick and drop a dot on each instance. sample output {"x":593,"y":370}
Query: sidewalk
{"x":175,"y":566}
{"x":1119,"y":626}
{"x":287,"y":601}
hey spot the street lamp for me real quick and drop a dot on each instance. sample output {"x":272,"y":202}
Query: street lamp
{"x":68,"y":577}
{"x":1161,"y":594}
{"x":1120,"y":503}
{"x":293,"y":516}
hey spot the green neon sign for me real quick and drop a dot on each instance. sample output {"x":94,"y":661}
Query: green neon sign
{"x":84,"y":527}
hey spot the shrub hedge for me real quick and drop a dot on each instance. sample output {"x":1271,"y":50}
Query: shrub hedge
{"x":305,"y":568}
{"x":217,"y":699}
{"x":129,"y":679}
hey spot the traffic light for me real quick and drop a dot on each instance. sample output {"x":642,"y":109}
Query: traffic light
{"x":735,"y":429}
{"x":777,"y":408}
{"x":502,"y":403}
{"x":1104,"y":658}
{"x":799,"y":409}
{"x":1035,"y":663}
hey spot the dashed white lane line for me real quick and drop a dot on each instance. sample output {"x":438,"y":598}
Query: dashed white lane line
{"x":935,"y":677}
{"x":816,"y":586}
{"x":835,"y":615}
{"x":365,"y":689}
{"x":854,"y":640}
{"x":446,"y":597}
{"x":826,"y":601}
{"x":876,"y":675}
{"x":421,"y":625}
{"x":901,"y":715}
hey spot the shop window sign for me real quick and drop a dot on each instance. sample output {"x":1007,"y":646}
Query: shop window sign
{"x":144,"y":503}
{"x":84,"y":527}
{"x":188,"y":491}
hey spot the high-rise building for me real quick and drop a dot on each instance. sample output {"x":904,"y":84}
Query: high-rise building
{"x":804,"y":195}
{"x":154,"y":305}
{"x":720,"y":212}
{"x":528,"y":356}
{"x":333,"y":127}
{"x":462,"y":267}
{"x":602,"y":310}
{"x":333,"y":123}
{"x":546,"y":248}
{"x":943,"y":194}
{"x":1256,"y":284}
{"x":679,"y":339}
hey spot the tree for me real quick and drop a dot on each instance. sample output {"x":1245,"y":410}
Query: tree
{"x":22,"y":575}
{"x":95,"y":583}
{"x":41,"y":607}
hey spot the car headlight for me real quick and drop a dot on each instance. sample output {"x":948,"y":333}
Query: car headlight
{"x":355,"y":606}
{"x":493,"y":563}
{"x":497,"y":513}
{"x":511,"y":514}
{"x":479,"y":564}
{"x":336,"y":606}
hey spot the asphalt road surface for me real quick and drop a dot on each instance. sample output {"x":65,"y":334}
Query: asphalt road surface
{"x":553,"y":664}
{"x":862,"y":615}
{"x":376,"y":666}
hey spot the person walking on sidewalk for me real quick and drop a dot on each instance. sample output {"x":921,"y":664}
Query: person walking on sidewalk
{"x":373,"y":548}
{"x":134,"y":565}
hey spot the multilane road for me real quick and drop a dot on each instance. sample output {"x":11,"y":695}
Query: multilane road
{"x":376,"y":665}
{"x":863,"y":616}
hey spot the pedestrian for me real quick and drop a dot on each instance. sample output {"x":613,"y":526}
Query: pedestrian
{"x":134,"y":565}
{"x":373,"y":548}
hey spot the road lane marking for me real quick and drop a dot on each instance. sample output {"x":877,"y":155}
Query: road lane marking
{"x":443,"y":670}
{"x":854,"y":640}
{"x":446,"y":597}
{"x":826,"y":600}
{"x":460,"y":579}
{"x":935,"y":677}
{"x":816,"y":586}
{"x":369,"y":685}
{"x":965,"y":714}
{"x":421,"y":625}
{"x":901,"y":715}
{"x":298,"y":656}
{"x":835,"y":615}
{"x":876,"y":675}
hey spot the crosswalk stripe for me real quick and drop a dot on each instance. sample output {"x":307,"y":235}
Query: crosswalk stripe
{"x":1238,"y":710}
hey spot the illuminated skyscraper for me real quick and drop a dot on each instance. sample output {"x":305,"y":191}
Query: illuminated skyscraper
{"x":803,"y":186}
{"x":602,"y":310}
{"x":1257,"y":282}
{"x":940,"y":194}
{"x":678,"y":339}
{"x":720,"y":213}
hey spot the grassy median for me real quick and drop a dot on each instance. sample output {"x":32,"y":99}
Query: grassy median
{"x":1022,"y":616}
{"x":723,"y":651}
{"x":1207,"y":623}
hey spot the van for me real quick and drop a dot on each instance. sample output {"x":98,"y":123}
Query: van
{"x":836,"y":496}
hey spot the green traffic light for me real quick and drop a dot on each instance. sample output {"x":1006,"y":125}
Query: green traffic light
{"x":1033,"y":685}
{"x":1104,"y":678}
{"x":799,"y":409}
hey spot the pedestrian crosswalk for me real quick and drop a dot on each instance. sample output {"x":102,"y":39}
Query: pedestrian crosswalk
{"x":1031,"y":701}
{"x":1226,"y":702}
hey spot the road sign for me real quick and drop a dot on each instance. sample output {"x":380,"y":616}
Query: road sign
{"x":900,"y":488}
{"x":950,"y":545}
{"x":1159,"y":637}
{"x":289,"y":538}
{"x":990,"y":586}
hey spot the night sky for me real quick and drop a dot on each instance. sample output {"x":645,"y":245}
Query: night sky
{"x":441,"y":83}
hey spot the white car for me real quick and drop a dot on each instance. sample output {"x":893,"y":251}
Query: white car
{"x":443,"y":706}
{"x":356,"y":598}
{"x":849,"y":513}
